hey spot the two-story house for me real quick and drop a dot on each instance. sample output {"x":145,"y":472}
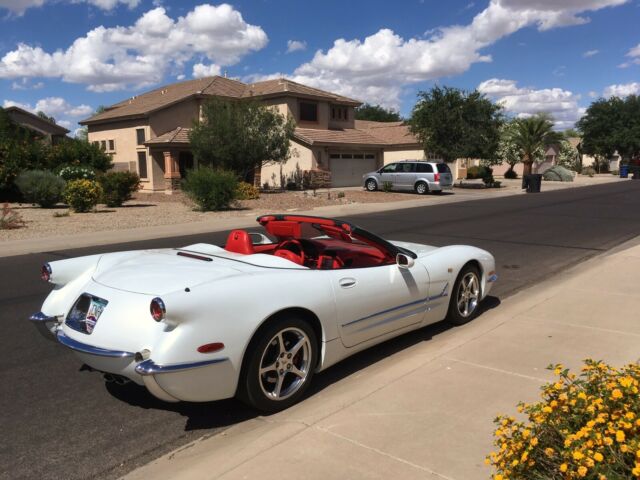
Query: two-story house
{"x":149,"y":133}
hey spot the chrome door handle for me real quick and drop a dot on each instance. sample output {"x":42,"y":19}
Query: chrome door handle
{"x":347,"y":282}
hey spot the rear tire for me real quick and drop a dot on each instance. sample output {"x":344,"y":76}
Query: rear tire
{"x":371,"y":185}
{"x":465,"y":296}
{"x":421,"y":188}
{"x":279,"y":364}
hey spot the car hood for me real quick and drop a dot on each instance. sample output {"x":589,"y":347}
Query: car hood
{"x":157,"y":272}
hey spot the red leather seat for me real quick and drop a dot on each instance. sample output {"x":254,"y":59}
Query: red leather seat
{"x":239,"y":241}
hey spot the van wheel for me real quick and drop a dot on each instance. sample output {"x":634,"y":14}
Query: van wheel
{"x":371,"y":185}
{"x":421,"y":188}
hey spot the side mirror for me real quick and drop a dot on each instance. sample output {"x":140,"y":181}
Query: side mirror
{"x":259,"y":239}
{"x":404,"y":261}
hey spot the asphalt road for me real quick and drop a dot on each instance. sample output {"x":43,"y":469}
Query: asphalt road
{"x":57,"y":421}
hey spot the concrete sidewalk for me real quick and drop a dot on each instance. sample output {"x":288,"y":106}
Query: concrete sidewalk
{"x":422,"y":406}
{"x":246,"y":219}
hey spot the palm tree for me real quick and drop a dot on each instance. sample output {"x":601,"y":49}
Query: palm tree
{"x":531,"y":135}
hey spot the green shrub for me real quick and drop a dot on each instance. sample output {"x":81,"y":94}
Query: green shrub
{"x":477,"y":172}
{"x":10,"y":219}
{"x":590,"y":171}
{"x":82,"y":195}
{"x":246,"y":191}
{"x":118,"y":187}
{"x":76,"y":172}
{"x":340,"y":194}
{"x":558,"y":173}
{"x":615,"y":172}
{"x":511,"y":173}
{"x":387,"y":186}
{"x":210,"y":189}
{"x":40,"y":187}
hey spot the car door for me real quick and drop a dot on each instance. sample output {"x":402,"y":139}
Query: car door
{"x":387,"y":174}
{"x":375,"y":301}
{"x":405,"y":176}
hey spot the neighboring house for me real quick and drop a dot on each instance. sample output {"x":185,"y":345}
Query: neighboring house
{"x":49,"y":132}
{"x":149,"y":133}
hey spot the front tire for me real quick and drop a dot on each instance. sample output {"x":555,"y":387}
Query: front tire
{"x":465,"y":296}
{"x":421,"y":188}
{"x":371,"y":185}
{"x":279,"y":364}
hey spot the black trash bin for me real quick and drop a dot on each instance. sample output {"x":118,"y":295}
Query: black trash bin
{"x":532,"y":182}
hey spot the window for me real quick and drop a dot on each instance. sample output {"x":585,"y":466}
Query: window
{"x":334,"y":155}
{"x":391,"y":168}
{"x":308,"y":112}
{"x":340,"y":113}
{"x":443,"y":168}
{"x":103,"y":144}
{"x":347,"y":155}
{"x":358,"y":155}
{"x":369,"y":156}
{"x":424,"y":168}
{"x":405,"y":167}
{"x":142,"y":164}
{"x":112,"y":145}
{"x":140,"y":136}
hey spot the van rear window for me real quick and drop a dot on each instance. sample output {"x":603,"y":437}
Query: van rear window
{"x":443,"y":168}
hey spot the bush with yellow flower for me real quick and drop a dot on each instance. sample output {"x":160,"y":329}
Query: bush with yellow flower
{"x":585,"y":427}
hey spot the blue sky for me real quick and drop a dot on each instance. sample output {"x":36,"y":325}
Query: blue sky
{"x":66,"y":57}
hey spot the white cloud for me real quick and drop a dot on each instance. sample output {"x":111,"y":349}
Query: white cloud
{"x":54,"y":107}
{"x":18,"y":7}
{"x":590,"y":53}
{"x":200,"y":70}
{"x":561,"y":104}
{"x":379,"y":67}
{"x":108,"y":59}
{"x":593,"y":94}
{"x":634,"y":55}
{"x":622,"y":90}
{"x":296,"y":45}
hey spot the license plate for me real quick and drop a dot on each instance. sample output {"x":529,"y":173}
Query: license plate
{"x":85,"y":313}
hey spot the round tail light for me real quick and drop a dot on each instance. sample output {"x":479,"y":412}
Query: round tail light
{"x":45,"y":272}
{"x":157,"y":309}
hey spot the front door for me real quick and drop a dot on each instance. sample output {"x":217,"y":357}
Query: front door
{"x":374,"y":301}
{"x":185,"y":163}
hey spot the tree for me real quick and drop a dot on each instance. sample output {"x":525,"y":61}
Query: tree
{"x":532,"y":134}
{"x":240,"y":136}
{"x":612,"y":125}
{"x":46,"y":117}
{"x":568,"y":155}
{"x":377,"y":113}
{"x":454,"y":124}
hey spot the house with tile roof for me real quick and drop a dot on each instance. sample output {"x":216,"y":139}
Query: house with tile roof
{"x":149,"y":133}
{"x":50,"y":132}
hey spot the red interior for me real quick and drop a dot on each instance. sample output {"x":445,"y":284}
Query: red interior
{"x":338,"y":251}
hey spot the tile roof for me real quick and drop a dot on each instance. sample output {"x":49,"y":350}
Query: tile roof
{"x":282,"y":85}
{"x":351,"y":136}
{"x":392,"y":133}
{"x":145,"y":103}
{"x":177,"y":136}
{"x":35,"y":121}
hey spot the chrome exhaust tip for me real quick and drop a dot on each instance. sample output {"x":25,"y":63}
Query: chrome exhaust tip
{"x":142,"y":355}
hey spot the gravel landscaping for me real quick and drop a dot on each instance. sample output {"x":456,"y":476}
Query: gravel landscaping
{"x":152,"y":209}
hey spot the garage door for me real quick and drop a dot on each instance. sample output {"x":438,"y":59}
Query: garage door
{"x":347,"y":168}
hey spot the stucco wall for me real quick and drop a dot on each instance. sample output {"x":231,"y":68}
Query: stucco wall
{"x":180,"y":114}
{"x":126,"y":148}
{"x":396,"y":155}
{"x":302,"y":156}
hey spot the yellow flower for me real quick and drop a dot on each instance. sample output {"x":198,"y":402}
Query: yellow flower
{"x":624,"y":448}
{"x":578,"y":455}
{"x":582,"y":471}
{"x":497,"y":476}
{"x":525,"y":433}
{"x":608,"y":441}
{"x":620,"y":436}
{"x":616,"y":394}
{"x":582,"y":396}
{"x":598,"y":457}
{"x":563,"y":467}
{"x":636,"y":471}
{"x":547,"y":409}
{"x":534,"y":441}
{"x":549,"y":452}
{"x":625,"y":381}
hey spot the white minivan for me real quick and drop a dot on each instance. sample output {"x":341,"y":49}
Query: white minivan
{"x":420,"y":176}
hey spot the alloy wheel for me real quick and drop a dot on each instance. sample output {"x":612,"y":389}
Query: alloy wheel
{"x":468,"y":294}
{"x":285,"y":364}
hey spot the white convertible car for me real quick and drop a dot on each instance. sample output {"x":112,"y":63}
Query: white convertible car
{"x":258,"y":317}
